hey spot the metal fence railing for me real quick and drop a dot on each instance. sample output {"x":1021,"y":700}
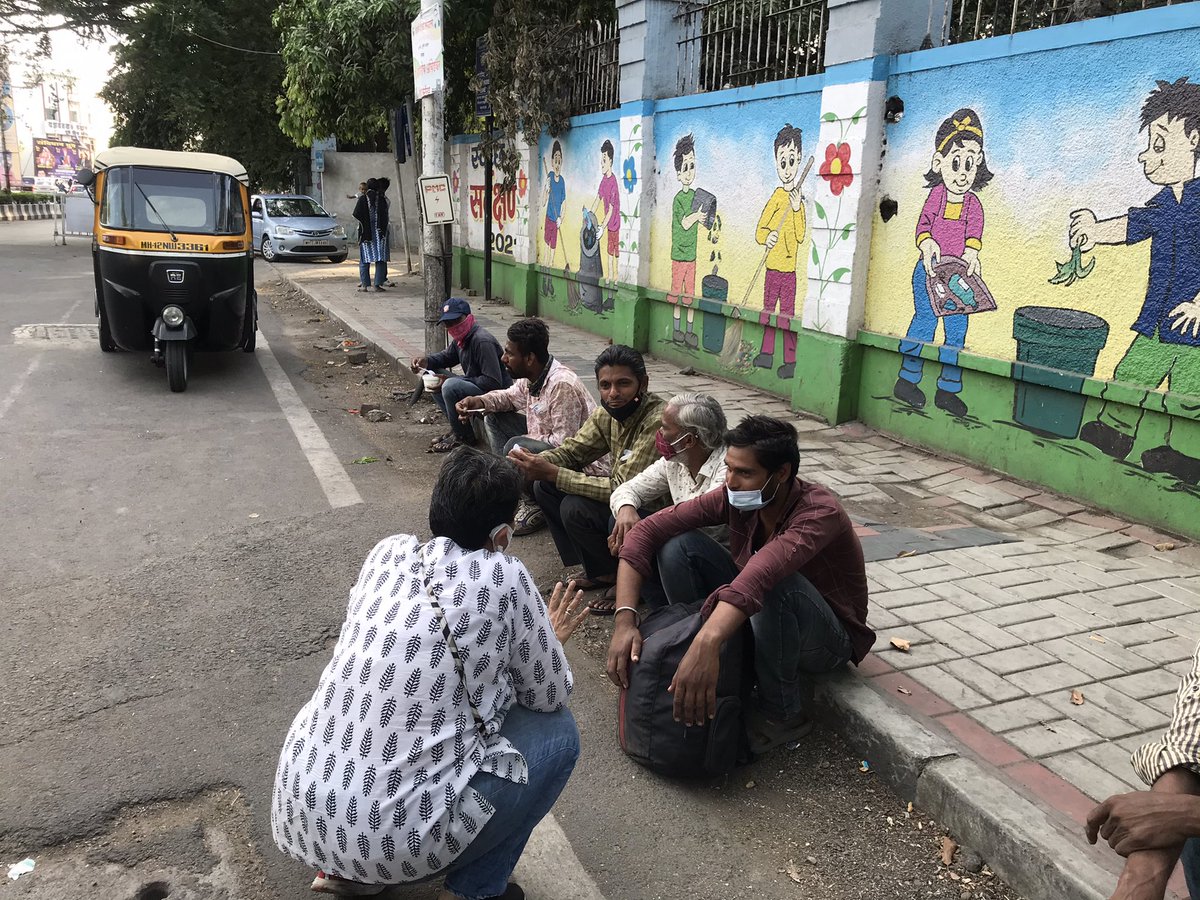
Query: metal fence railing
{"x":597,"y":68}
{"x":971,"y":20}
{"x":734,"y":43}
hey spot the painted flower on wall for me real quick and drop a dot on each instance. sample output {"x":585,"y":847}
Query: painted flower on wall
{"x":522,"y":184}
{"x":836,"y":168}
{"x":630,"y":178}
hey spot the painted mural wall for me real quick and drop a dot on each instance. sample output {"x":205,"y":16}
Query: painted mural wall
{"x":1043,"y":218}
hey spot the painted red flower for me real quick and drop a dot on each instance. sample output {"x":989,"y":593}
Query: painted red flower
{"x":836,"y":168}
{"x":522,"y":184}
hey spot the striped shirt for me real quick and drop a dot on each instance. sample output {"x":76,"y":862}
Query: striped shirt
{"x":1180,"y":746}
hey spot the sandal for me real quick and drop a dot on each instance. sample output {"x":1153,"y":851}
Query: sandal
{"x":606,"y":605}
{"x":335,"y":884}
{"x":765,"y":735}
{"x":444,"y":444}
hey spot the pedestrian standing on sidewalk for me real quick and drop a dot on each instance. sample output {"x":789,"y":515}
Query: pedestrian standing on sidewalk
{"x":575,"y":503}
{"x":384,"y":185}
{"x":794,"y":568}
{"x":546,"y":404}
{"x":372,"y":220}
{"x":1157,"y":828}
{"x":478,"y":352}
{"x":438,"y":735}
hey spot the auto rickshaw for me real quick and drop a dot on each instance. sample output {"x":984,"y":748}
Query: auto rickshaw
{"x":172,"y":255}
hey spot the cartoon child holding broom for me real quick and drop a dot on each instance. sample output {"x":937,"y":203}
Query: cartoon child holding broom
{"x":781,"y":229}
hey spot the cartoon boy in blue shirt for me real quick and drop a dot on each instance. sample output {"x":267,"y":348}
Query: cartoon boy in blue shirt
{"x":1166,"y":346}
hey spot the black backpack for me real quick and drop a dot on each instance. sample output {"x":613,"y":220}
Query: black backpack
{"x":647,"y":730}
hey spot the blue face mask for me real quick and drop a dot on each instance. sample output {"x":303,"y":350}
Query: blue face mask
{"x":748,"y":501}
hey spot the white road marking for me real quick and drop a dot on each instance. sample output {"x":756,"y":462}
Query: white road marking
{"x":10,"y":396}
{"x":339,"y":489}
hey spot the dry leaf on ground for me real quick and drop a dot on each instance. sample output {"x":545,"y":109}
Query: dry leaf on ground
{"x":1077,"y":698}
{"x":1097,"y":638}
{"x":793,"y":872}
{"x":948,"y":848}
{"x":904,"y":553}
{"x":901,"y":644}
{"x":905,"y":691}
{"x":1164,"y":546}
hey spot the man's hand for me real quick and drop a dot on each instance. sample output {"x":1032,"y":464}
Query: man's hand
{"x":1145,"y":875}
{"x":1082,"y":231}
{"x":564,"y":611}
{"x":772,"y":239}
{"x":971,"y":258}
{"x":931,"y":253}
{"x":796,"y":195}
{"x":624,"y":649}
{"x":532,"y":465}
{"x":1145,"y":820}
{"x":627,"y":517}
{"x":464,"y":406}
{"x":1188,"y":314}
{"x":695,"y":683}
{"x":417,"y":364}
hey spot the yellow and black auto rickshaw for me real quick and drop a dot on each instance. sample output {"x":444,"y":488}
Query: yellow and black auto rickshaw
{"x":172,"y":255}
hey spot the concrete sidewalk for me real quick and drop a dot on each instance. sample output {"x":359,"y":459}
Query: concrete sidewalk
{"x":1011,"y":598}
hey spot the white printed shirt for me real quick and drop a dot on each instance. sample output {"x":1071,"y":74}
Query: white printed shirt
{"x":373,"y":779}
{"x":671,"y":477}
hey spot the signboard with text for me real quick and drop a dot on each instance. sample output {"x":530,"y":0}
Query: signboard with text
{"x":483,"y":105}
{"x":428,"y":69}
{"x":436,"y":204}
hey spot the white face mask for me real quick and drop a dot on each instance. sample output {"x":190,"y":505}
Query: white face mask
{"x":748,"y":501}
{"x":500,"y":544}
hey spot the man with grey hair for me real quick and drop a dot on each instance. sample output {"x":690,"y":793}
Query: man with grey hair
{"x":691,"y":441}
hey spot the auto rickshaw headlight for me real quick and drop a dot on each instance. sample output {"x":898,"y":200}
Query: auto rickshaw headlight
{"x":172,"y":316}
{"x":283,"y":230}
{"x":339,"y":231}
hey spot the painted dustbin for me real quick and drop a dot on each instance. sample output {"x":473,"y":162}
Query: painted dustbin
{"x":1056,"y":350}
{"x":590,"y":268}
{"x":714,"y":290}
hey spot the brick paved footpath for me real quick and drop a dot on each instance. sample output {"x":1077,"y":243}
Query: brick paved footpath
{"x":1062,"y":599}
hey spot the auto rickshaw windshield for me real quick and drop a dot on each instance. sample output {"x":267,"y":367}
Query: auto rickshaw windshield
{"x":171,"y":200}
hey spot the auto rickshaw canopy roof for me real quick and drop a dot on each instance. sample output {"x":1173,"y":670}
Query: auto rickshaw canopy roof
{"x":171,"y":159}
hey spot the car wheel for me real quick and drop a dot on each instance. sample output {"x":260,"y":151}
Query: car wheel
{"x":268,"y":249}
{"x":340,"y":258}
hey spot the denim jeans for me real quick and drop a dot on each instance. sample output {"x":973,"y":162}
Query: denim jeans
{"x":453,"y":390}
{"x":922,"y":330}
{"x":364,"y":273}
{"x":796,"y":634}
{"x":550,"y":744}
{"x":1191,"y":866}
{"x":504,"y":428}
{"x":579,"y":526}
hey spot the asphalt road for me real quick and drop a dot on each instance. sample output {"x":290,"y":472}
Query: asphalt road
{"x":175,"y":572}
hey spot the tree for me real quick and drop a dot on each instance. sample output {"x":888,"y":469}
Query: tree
{"x":347,"y":63}
{"x":203,"y":75}
{"x":89,"y":17}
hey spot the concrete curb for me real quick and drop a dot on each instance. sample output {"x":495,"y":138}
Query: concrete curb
{"x":1039,"y":856}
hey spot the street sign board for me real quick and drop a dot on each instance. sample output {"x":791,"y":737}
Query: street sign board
{"x":483,"y":105}
{"x":318,"y":155}
{"x":436,"y":203}
{"x":428,"y":70}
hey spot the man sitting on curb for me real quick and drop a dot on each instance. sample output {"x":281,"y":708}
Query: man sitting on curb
{"x":1154,"y":829}
{"x":479,"y":354}
{"x":794,"y":567}
{"x":546,"y":404}
{"x":691,"y":442}
{"x":575,"y":503}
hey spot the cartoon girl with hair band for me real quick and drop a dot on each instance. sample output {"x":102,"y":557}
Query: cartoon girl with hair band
{"x":950,"y":224}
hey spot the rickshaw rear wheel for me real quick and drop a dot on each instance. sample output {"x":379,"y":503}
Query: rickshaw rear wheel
{"x":176,"y":353}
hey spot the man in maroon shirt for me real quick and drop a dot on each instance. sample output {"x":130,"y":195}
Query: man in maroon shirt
{"x":794,"y":567}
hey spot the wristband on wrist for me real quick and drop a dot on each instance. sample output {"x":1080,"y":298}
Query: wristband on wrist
{"x":632,"y":609}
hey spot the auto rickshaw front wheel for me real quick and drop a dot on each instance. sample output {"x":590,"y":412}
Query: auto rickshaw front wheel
{"x":107,"y":344}
{"x":176,"y":355}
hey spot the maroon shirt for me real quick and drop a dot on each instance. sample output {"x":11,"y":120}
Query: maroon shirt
{"x":814,"y":537}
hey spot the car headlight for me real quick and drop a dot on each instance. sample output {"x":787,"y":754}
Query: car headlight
{"x":172,"y":316}
{"x":339,"y":231}
{"x":283,"y":231}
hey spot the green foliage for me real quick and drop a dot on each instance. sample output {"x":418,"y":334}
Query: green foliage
{"x":347,"y":62}
{"x":174,"y":88}
{"x":531,"y":61}
{"x":7,"y":198}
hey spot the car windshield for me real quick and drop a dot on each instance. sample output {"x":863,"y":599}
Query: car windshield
{"x":289,"y":207}
{"x":166,"y":200}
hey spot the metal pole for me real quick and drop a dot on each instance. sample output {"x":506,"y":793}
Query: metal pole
{"x":4,"y":149}
{"x":487,"y":212}
{"x":433,"y":161}
{"x":396,"y":138}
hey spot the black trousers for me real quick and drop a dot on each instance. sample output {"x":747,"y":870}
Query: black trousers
{"x":579,"y":527}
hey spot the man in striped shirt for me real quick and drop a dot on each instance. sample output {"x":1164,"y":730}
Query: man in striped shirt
{"x":1154,"y":829}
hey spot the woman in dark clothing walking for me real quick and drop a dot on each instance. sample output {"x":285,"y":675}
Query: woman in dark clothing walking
{"x":372,"y":214}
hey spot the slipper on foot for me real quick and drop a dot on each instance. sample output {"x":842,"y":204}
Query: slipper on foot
{"x":335,"y":884}
{"x":606,"y":605}
{"x":765,"y":734}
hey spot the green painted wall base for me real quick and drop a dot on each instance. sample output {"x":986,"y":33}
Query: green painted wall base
{"x":828,"y":369}
{"x":511,"y":281}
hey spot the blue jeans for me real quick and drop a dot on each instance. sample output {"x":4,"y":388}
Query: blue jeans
{"x":550,"y":744}
{"x":1191,"y":865}
{"x":795,"y":633}
{"x":453,"y":390}
{"x":364,"y":273}
{"x":922,"y":330}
